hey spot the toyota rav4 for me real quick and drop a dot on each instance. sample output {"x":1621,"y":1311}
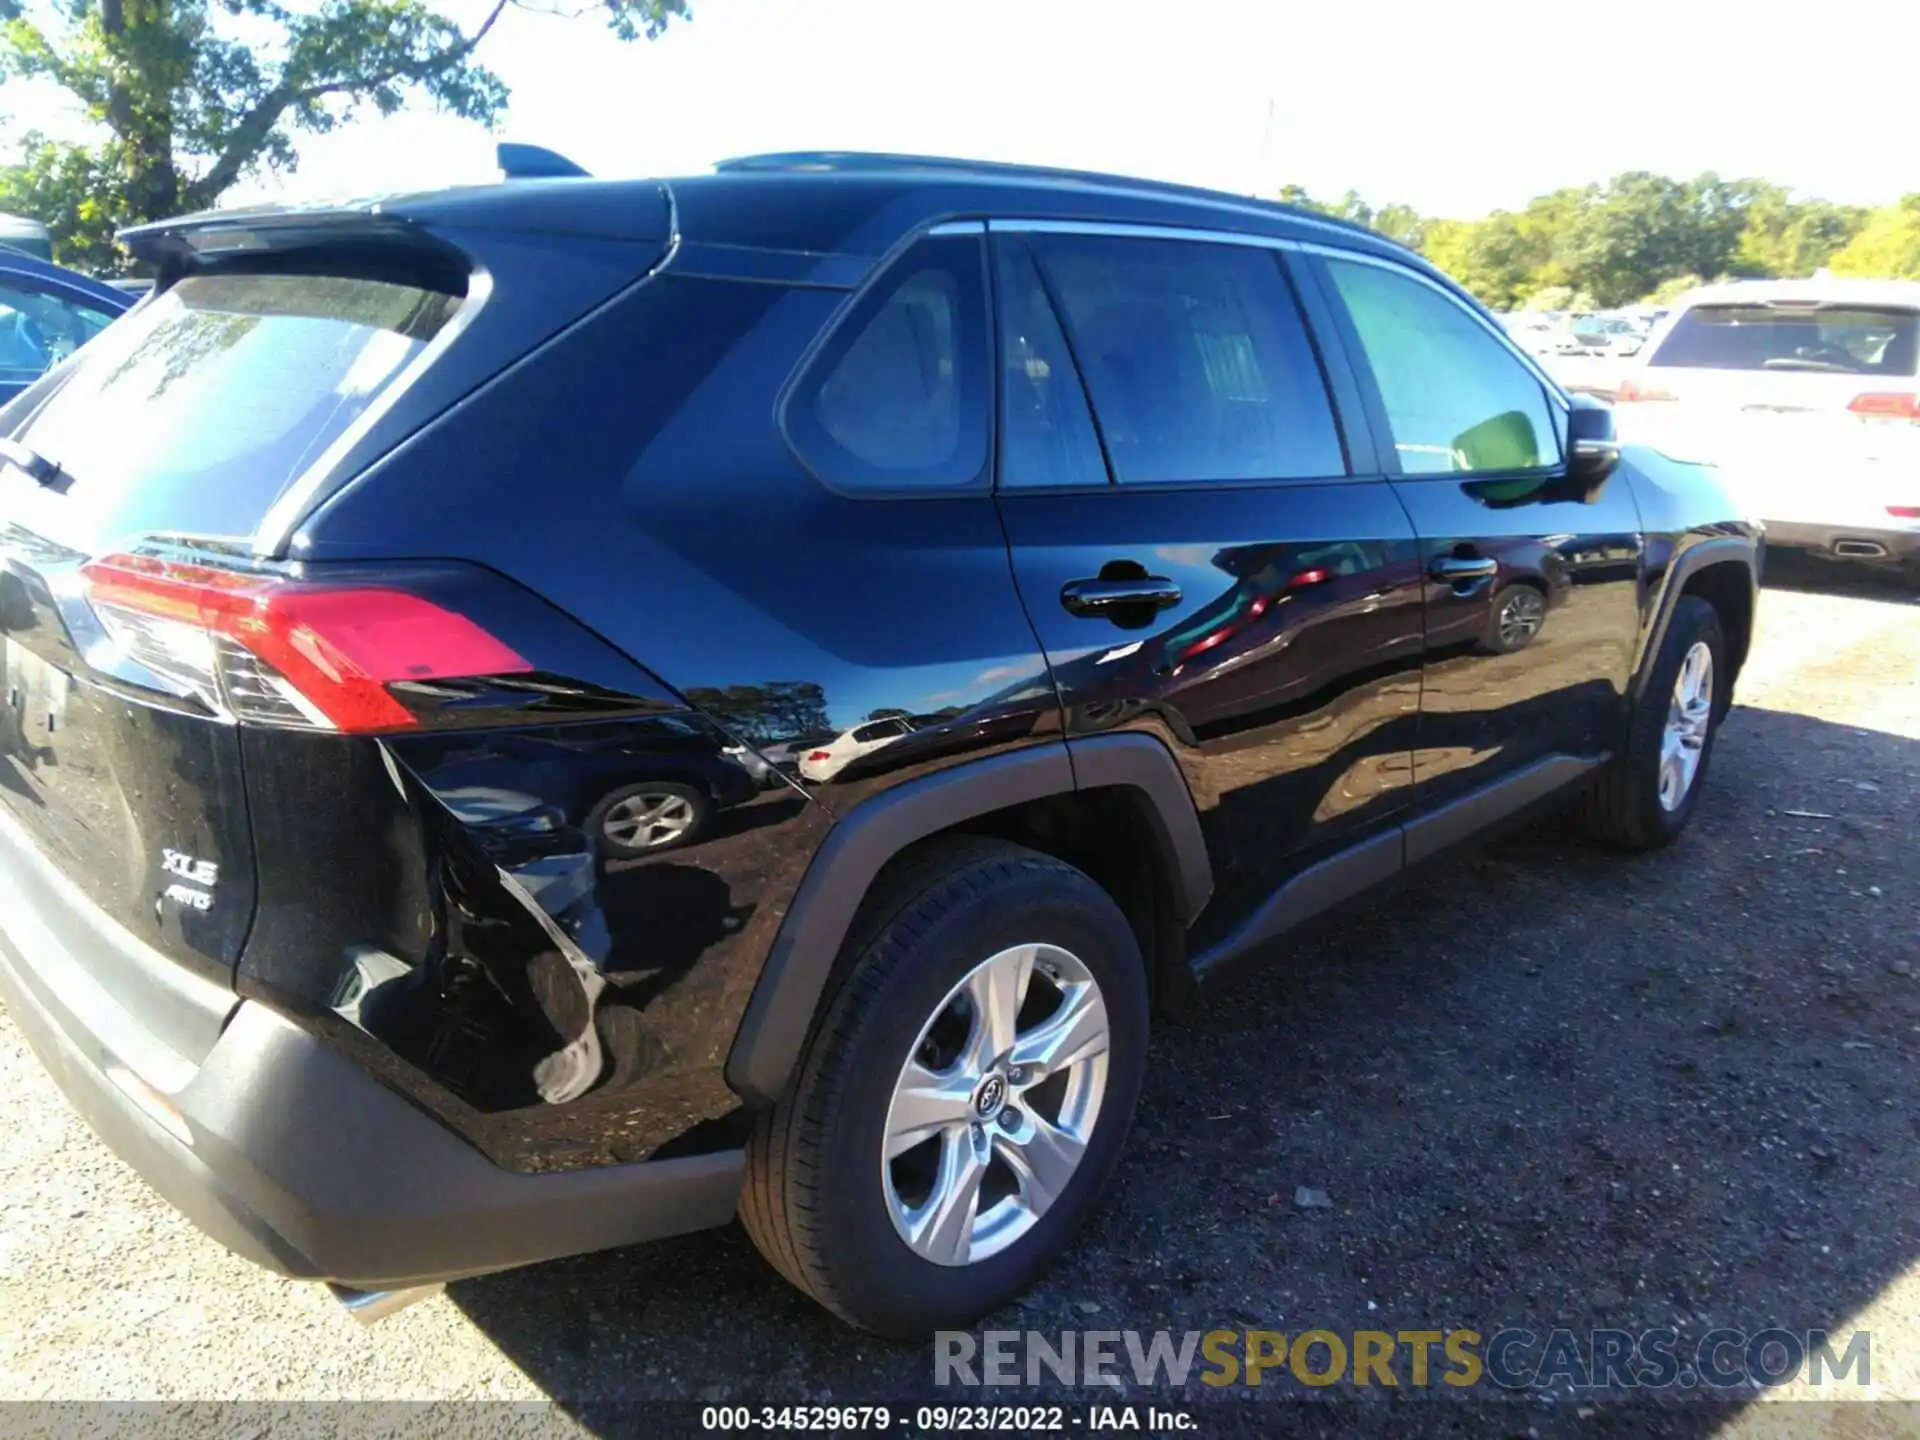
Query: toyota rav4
{"x":413,"y":614}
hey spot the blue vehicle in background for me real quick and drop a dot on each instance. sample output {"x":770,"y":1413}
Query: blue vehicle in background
{"x":46,"y":313}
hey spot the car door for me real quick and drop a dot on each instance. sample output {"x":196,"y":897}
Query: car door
{"x":1532,"y":580}
{"x":41,"y":323}
{"x":1204,"y":553}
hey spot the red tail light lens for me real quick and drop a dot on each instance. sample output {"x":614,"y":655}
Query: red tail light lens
{"x":820,"y":755}
{"x":274,"y":650}
{"x":1889,"y":405}
{"x":1904,"y":512}
{"x":1632,"y":391}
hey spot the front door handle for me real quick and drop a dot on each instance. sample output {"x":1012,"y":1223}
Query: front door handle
{"x":1462,"y":569}
{"x":1101,"y":597}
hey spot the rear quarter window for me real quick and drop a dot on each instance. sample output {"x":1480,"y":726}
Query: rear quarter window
{"x":897,"y":398}
{"x":195,"y":412}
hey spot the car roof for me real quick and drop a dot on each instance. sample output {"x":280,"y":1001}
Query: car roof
{"x":15,"y":262}
{"x":814,"y":208}
{"x":1822,"y":290}
{"x":824,"y":194}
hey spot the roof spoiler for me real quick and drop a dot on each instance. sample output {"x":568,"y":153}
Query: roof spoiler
{"x":534,"y":162}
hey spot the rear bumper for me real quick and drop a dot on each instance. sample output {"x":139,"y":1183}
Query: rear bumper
{"x":1884,"y":544}
{"x":284,"y":1150}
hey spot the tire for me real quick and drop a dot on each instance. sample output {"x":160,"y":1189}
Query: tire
{"x":1624,"y":805}
{"x":689,"y":807}
{"x":1515,"y":618}
{"x":820,"y":1200}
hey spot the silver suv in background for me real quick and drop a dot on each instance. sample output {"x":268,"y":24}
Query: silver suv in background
{"x":1806,"y":393}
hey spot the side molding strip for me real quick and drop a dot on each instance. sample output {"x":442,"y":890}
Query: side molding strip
{"x":1449,"y":825}
{"x":1379,"y":858}
{"x":1317,"y":888}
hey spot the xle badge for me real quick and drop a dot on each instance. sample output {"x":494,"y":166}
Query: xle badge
{"x":199,"y":872}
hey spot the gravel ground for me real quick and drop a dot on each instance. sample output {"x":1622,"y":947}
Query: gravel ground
{"x":1542,"y":1087}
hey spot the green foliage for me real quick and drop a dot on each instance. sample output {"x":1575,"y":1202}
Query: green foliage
{"x":1785,"y":237}
{"x":1887,"y":245}
{"x":76,"y":193}
{"x":191,"y":95}
{"x":1642,"y":235}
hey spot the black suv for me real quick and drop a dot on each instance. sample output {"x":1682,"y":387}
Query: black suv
{"x":1089,"y":580}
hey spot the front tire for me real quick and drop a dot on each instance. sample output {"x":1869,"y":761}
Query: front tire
{"x":1646,"y":795}
{"x":965,"y":1100}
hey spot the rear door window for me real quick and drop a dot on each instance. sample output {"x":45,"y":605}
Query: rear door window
{"x":197,"y":411}
{"x":1456,"y":398}
{"x":1046,"y":428}
{"x":1817,"y":339}
{"x":897,"y":398}
{"x":1196,"y":358}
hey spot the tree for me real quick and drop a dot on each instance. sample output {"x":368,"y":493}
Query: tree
{"x":1641,"y":229}
{"x":190,"y":98}
{"x":1496,"y":258}
{"x":1787,"y":237}
{"x":1888,"y":245}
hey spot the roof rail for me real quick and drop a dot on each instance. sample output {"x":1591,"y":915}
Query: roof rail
{"x":853,"y":161}
{"x":533,"y":162}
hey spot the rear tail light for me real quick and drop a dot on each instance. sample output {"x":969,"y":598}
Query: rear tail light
{"x":1904,"y":512}
{"x":1631,"y":391}
{"x":1887,"y":405}
{"x":820,"y":755}
{"x":273,"y":650}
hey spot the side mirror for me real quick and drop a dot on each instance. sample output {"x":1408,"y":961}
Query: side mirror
{"x":1592,"y":450}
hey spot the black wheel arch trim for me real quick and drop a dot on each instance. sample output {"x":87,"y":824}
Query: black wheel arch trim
{"x":781,"y":1013}
{"x":1721,"y":549}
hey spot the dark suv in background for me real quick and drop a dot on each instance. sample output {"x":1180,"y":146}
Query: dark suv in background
{"x":1186,"y":566}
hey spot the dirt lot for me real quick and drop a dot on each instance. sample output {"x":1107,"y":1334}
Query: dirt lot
{"x":1544,"y":1087}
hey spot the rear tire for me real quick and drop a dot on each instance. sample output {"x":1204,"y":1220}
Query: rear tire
{"x":1625,"y":805}
{"x":824,"y":1202}
{"x":1515,"y":618}
{"x":649,"y":817}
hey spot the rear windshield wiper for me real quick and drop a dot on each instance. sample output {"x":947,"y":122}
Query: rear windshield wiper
{"x":24,"y":457}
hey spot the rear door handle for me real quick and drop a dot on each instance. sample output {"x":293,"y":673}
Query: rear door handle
{"x":1099,"y":597}
{"x":1460,"y":569}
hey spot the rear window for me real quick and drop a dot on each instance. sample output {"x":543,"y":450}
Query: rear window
{"x":1824,"y":340}
{"x":196,"y":412}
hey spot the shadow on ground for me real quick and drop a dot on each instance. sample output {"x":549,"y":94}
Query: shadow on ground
{"x":1546,"y":1086}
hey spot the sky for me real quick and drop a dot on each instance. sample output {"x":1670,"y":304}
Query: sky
{"x":1455,"y":109}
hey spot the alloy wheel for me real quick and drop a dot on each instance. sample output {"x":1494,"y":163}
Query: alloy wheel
{"x":647,"y":820}
{"x":1521,"y":614}
{"x":1689,"y":719}
{"x":995,"y":1105}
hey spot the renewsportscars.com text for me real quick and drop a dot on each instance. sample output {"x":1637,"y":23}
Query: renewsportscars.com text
{"x":1510,"y":1359}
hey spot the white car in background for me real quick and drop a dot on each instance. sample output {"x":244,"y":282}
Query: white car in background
{"x":828,"y":760}
{"x":1806,"y":394}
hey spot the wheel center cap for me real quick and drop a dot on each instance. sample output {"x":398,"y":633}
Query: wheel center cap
{"x":991,"y":1096}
